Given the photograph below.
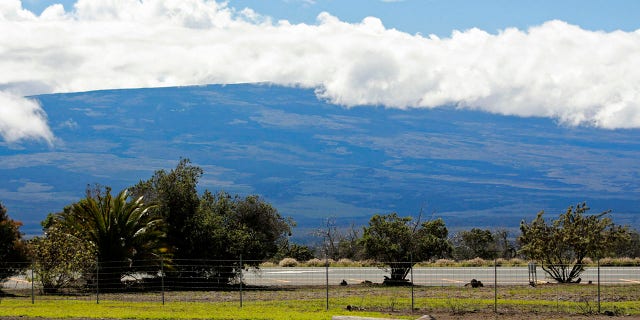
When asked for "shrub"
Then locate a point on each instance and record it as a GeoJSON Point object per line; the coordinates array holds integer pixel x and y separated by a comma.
{"type": "Point", "coordinates": [515, 262]}
{"type": "Point", "coordinates": [475, 262]}
{"type": "Point", "coordinates": [620, 262]}
{"type": "Point", "coordinates": [288, 262]}
{"type": "Point", "coordinates": [347, 263]}
{"type": "Point", "coordinates": [267, 264]}
{"type": "Point", "coordinates": [444, 263]}
{"type": "Point", "coordinates": [315, 262]}
{"type": "Point", "coordinates": [607, 262]}
{"type": "Point", "coordinates": [369, 263]}
{"type": "Point", "coordinates": [628, 262]}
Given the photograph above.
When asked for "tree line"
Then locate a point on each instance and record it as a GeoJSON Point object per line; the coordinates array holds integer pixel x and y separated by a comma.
{"type": "Point", "coordinates": [164, 220]}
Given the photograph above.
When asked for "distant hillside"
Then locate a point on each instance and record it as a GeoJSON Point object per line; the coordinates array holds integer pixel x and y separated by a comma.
{"type": "Point", "coordinates": [313, 160]}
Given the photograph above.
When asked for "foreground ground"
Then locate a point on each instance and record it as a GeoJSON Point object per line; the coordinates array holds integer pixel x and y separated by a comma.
{"type": "Point", "coordinates": [437, 316]}
{"type": "Point", "coordinates": [455, 302]}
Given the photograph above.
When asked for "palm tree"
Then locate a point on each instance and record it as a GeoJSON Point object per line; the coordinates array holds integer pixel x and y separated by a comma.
{"type": "Point", "coordinates": [124, 234]}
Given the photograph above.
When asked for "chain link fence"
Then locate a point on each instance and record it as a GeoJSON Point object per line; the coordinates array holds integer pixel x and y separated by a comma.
{"type": "Point", "coordinates": [457, 289]}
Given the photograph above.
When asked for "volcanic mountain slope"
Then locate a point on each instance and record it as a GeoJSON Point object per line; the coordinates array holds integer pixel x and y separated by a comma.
{"type": "Point", "coordinates": [314, 160]}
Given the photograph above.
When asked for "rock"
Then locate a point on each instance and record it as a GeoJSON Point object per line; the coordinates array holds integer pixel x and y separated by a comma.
{"type": "Point", "coordinates": [474, 284]}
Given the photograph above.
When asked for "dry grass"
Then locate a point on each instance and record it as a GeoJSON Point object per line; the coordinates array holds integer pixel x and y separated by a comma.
{"type": "Point", "coordinates": [476, 262]}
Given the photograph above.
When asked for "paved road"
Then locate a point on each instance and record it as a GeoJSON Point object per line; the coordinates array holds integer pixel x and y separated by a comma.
{"type": "Point", "coordinates": [429, 276]}
{"type": "Point", "coordinates": [421, 276]}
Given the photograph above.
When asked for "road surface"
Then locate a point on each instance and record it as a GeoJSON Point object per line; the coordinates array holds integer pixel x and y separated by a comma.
{"type": "Point", "coordinates": [435, 276]}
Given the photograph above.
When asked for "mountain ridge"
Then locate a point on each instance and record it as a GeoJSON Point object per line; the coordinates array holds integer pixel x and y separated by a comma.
{"type": "Point", "coordinates": [315, 160]}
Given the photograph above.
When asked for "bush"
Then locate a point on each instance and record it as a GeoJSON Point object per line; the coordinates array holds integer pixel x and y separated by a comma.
{"type": "Point", "coordinates": [268, 264]}
{"type": "Point", "coordinates": [628, 262]}
{"type": "Point", "coordinates": [444, 263]}
{"type": "Point", "coordinates": [475, 262]}
{"type": "Point", "coordinates": [368, 263]}
{"type": "Point", "coordinates": [516, 262]}
{"type": "Point", "coordinates": [315, 262]}
{"type": "Point", "coordinates": [288, 262]}
{"type": "Point", "coordinates": [620, 262]}
{"type": "Point", "coordinates": [607, 262]}
{"type": "Point", "coordinates": [344, 262]}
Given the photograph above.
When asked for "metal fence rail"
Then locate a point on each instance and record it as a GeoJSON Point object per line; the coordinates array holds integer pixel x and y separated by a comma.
{"type": "Point", "coordinates": [235, 281]}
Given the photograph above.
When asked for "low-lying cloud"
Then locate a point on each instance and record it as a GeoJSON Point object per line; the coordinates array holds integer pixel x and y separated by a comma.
{"type": "Point", "coordinates": [556, 70]}
{"type": "Point", "coordinates": [22, 118]}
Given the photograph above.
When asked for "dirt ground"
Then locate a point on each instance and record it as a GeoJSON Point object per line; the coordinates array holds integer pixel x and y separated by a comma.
{"type": "Point", "coordinates": [514, 316]}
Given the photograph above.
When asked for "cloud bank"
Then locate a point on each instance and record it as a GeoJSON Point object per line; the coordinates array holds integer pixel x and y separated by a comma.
{"type": "Point", "coordinates": [556, 70]}
{"type": "Point", "coordinates": [22, 118]}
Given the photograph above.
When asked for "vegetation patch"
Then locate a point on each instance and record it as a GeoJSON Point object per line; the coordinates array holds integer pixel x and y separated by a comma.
{"type": "Point", "coordinates": [272, 310]}
{"type": "Point", "coordinates": [310, 303]}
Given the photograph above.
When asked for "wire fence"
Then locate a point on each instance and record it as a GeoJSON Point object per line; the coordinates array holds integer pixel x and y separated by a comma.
{"type": "Point", "coordinates": [458, 289]}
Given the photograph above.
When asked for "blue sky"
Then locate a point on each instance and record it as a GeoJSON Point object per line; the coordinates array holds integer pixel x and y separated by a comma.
{"type": "Point", "coordinates": [440, 17]}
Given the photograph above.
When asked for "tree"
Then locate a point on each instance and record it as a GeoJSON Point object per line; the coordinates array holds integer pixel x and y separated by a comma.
{"type": "Point", "coordinates": [227, 226]}
{"type": "Point", "coordinates": [398, 243]}
{"type": "Point", "coordinates": [124, 233]}
{"type": "Point", "coordinates": [177, 202]}
{"type": "Point", "coordinates": [504, 245]}
{"type": "Point", "coordinates": [258, 228]}
{"type": "Point", "coordinates": [298, 252]}
{"type": "Point", "coordinates": [562, 245]}
{"type": "Point", "coordinates": [13, 253]}
{"type": "Point", "coordinates": [474, 243]}
{"type": "Point", "coordinates": [349, 245]}
{"type": "Point", "coordinates": [626, 247]}
{"type": "Point", "coordinates": [338, 243]}
{"type": "Point", "coordinates": [61, 259]}
{"type": "Point", "coordinates": [330, 238]}
{"type": "Point", "coordinates": [233, 226]}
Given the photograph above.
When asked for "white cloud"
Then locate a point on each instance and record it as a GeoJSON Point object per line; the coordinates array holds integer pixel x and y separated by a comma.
{"type": "Point", "coordinates": [555, 70]}
{"type": "Point", "coordinates": [34, 187]}
{"type": "Point", "coordinates": [22, 118]}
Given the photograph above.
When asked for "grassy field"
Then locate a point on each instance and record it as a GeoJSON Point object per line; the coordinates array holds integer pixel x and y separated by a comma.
{"type": "Point", "coordinates": [172, 310]}
{"type": "Point", "coordinates": [310, 303]}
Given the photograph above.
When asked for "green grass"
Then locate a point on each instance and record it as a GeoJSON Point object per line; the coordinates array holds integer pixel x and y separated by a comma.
{"type": "Point", "coordinates": [310, 303]}
{"type": "Point", "coordinates": [273, 310]}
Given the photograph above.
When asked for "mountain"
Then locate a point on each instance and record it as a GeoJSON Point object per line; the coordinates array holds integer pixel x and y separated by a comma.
{"type": "Point", "coordinates": [314, 160]}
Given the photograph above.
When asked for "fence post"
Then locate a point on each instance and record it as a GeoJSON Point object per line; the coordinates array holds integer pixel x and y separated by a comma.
{"type": "Point", "coordinates": [326, 264]}
{"type": "Point", "coordinates": [241, 268]}
{"type": "Point", "coordinates": [33, 280]}
{"type": "Point", "coordinates": [162, 277]}
{"type": "Point", "coordinates": [412, 293]}
{"type": "Point", "coordinates": [495, 285]}
{"type": "Point", "coordinates": [598, 285]}
{"type": "Point", "coordinates": [97, 280]}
